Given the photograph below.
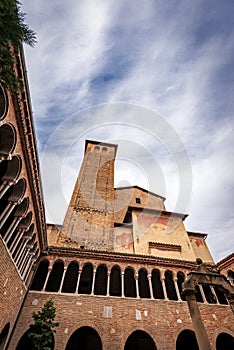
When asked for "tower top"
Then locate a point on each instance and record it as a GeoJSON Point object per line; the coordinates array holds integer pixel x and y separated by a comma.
{"type": "Point", "coordinates": [98, 145]}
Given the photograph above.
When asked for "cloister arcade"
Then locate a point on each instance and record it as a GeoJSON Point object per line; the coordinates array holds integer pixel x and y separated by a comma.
{"type": "Point", "coordinates": [16, 227]}
{"type": "Point", "coordinates": [85, 278]}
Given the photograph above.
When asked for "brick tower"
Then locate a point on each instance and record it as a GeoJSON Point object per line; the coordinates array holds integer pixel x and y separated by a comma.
{"type": "Point", "coordinates": [89, 220]}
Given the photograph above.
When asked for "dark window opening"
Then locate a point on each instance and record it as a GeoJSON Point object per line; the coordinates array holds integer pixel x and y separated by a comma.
{"type": "Point", "coordinates": [55, 277]}
{"type": "Point", "coordinates": [144, 290]}
{"type": "Point", "coordinates": [138, 200]}
{"type": "Point", "coordinates": [170, 286]}
{"type": "Point", "coordinates": [40, 275]}
{"type": "Point", "coordinates": [129, 283]}
{"type": "Point", "coordinates": [70, 279]}
{"type": "Point", "coordinates": [180, 281]}
{"type": "Point", "coordinates": [224, 341]}
{"type": "Point", "coordinates": [100, 286]}
{"type": "Point", "coordinates": [86, 279]}
{"type": "Point", "coordinates": [157, 285]}
{"type": "Point", "coordinates": [115, 281]}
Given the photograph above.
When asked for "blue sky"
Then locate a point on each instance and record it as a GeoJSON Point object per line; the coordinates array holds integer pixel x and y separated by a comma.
{"type": "Point", "coordinates": [156, 77]}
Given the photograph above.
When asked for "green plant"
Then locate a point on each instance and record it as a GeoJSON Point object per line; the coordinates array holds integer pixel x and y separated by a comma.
{"type": "Point", "coordinates": [42, 330]}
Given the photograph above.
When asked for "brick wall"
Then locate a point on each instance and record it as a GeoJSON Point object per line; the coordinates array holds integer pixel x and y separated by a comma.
{"type": "Point", "coordinates": [12, 289]}
{"type": "Point", "coordinates": [162, 320]}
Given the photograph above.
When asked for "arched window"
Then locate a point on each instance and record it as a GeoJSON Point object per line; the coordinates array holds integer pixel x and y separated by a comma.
{"type": "Point", "coordinates": [40, 275]}
{"type": "Point", "coordinates": [224, 341]}
{"type": "Point", "coordinates": [100, 286]}
{"type": "Point", "coordinates": [220, 295]}
{"type": "Point", "coordinates": [13, 169]}
{"type": "Point", "coordinates": [8, 139]}
{"type": "Point", "coordinates": [186, 340]}
{"type": "Point", "coordinates": [55, 277]}
{"type": "Point", "coordinates": [84, 338]}
{"type": "Point", "coordinates": [115, 281]}
{"type": "Point", "coordinates": [86, 279]}
{"type": "Point", "coordinates": [210, 297]}
{"type": "Point", "coordinates": [180, 281]}
{"type": "Point", "coordinates": [170, 286]}
{"type": "Point", "coordinates": [198, 295]}
{"type": "Point", "coordinates": [129, 283]}
{"type": "Point", "coordinates": [157, 284]}
{"type": "Point", "coordinates": [70, 279]}
{"type": "Point", "coordinates": [144, 290]}
{"type": "Point", "coordinates": [3, 335]}
{"type": "Point", "coordinates": [139, 340]}
{"type": "Point", "coordinates": [230, 277]}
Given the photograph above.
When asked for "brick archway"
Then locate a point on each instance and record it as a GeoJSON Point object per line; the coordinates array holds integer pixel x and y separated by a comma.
{"type": "Point", "coordinates": [84, 338]}
{"type": "Point", "coordinates": [139, 340]}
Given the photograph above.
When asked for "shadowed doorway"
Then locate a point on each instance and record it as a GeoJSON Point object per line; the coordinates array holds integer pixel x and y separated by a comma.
{"type": "Point", "coordinates": [140, 340]}
{"type": "Point", "coordinates": [84, 338]}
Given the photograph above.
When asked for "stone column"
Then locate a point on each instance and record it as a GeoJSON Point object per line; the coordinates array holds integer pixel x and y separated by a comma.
{"type": "Point", "coordinates": [198, 325]}
{"type": "Point", "coordinates": [108, 284]}
{"type": "Point", "coordinates": [214, 293]}
{"type": "Point", "coordinates": [63, 276]}
{"type": "Point", "coordinates": [6, 213]}
{"type": "Point", "coordinates": [78, 280]}
{"type": "Point", "coordinates": [150, 286]}
{"type": "Point", "coordinates": [11, 229]}
{"type": "Point", "coordinates": [164, 288]}
{"type": "Point", "coordinates": [137, 286]}
{"type": "Point", "coordinates": [122, 284]}
{"type": "Point", "coordinates": [93, 284]}
{"type": "Point", "coordinates": [202, 293]}
{"type": "Point", "coordinates": [47, 277]}
{"type": "Point", "coordinates": [177, 289]}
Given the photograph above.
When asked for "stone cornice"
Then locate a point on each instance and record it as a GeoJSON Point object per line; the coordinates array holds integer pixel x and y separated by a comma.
{"type": "Point", "coordinates": [23, 109]}
{"type": "Point", "coordinates": [118, 257]}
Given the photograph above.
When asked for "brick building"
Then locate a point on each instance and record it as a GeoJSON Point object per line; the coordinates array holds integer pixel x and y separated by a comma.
{"type": "Point", "coordinates": [114, 269]}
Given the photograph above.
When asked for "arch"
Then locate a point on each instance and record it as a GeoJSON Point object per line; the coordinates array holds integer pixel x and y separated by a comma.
{"type": "Point", "coordinates": [170, 286]}
{"type": "Point", "coordinates": [100, 286]}
{"type": "Point", "coordinates": [55, 277]}
{"type": "Point", "coordinates": [4, 103]}
{"type": "Point", "coordinates": [84, 338]}
{"type": "Point", "coordinates": [40, 275]}
{"type": "Point", "coordinates": [129, 283]}
{"type": "Point", "coordinates": [25, 222]}
{"type": "Point", "coordinates": [139, 340]}
{"type": "Point", "coordinates": [187, 340]}
{"type": "Point", "coordinates": [180, 281]}
{"type": "Point", "coordinates": [210, 297]}
{"type": "Point", "coordinates": [220, 295]}
{"type": "Point", "coordinates": [8, 139]}
{"type": "Point", "coordinates": [230, 276]}
{"type": "Point", "coordinates": [157, 284]}
{"type": "Point", "coordinates": [143, 282]}
{"type": "Point", "coordinates": [3, 335]}
{"type": "Point", "coordinates": [18, 191]}
{"type": "Point", "coordinates": [22, 208]}
{"type": "Point", "coordinates": [115, 281]}
{"type": "Point", "coordinates": [26, 343]}
{"type": "Point", "coordinates": [13, 169]}
{"type": "Point", "coordinates": [70, 279]}
{"type": "Point", "coordinates": [224, 341]}
{"type": "Point", "coordinates": [86, 279]}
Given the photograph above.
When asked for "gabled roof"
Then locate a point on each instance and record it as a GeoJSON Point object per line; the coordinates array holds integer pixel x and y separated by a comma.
{"type": "Point", "coordinates": [139, 188]}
